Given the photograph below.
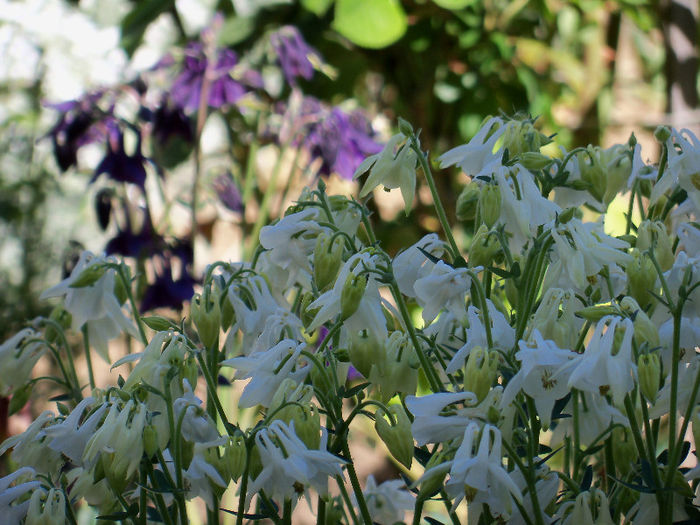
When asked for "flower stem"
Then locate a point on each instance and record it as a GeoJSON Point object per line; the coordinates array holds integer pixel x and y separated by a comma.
{"type": "Point", "coordinates": [364, 511]}
{"type": "Point", "coordinates": [88, 357]}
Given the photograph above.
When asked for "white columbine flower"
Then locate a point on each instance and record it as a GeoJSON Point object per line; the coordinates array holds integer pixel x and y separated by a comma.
{"type": "Point", "coordinates": [30, 448]}
{"type": "Point", "coordinates": [502, 334]}
{"type": "Point", "coordinates": [267, 370]}
{"type": "Point", "coordinates": [387, 502]}
{"type": "Point", "coordinates": [444, 287]}
{"type": "Point", "coordinates": [70, 436]}
{"type": "Point", "coordinates": [412, 264]}
{"type": "Point", "coordinates": [478, 156]}
{"type": "Point", "coordinates": [12, 512]}
{"type": "Point", "coordinates": [537, 377]}
{"type": "Point", "coordinates": [391, 169]}
{"type": "Point", "coordinates": [287, 463]}
{"type": "Point", "coordinates": [46, 507]}
{"type": "Point", "coordinates": [599, 370]}
{"type": "Point", "coordinates": [197, 426]}
{"type": "Point", "coordinates": [200, 476]}
{"type": "Point", "coordinates": [479, 471]}
{"type": "Point", "coordinates": [94, 305]}
{"type": "Point", "coordinates": [17, 359]}
{"type": "Point", "coordinates": [434, 422]}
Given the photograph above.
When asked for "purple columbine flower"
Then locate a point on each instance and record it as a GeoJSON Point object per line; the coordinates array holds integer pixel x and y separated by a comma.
{"type": "Point", "coordinates": [342, 141]}
{"type": "Point", "coordinates": [167, 291]}
{"type": "Point", "coordinates": [172, 132]}
{"type": "Point", "coordinates": [293, 54]}
{"type": "Point", "coordinates": [117, 164]}
{"type": "Point", "coordinates": [75, 128]}
{"type": "Point", "coordinates": [223, 89]}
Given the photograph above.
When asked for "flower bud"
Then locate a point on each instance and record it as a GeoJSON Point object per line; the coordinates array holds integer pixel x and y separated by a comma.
{"type": "Point", "coordinates": [150, 440]}
{"type": "Point", "coordinates": [206, 316]}
{"type": "Point", "coordinates": [662, 134]}
{"type": "Point", "coordinates": [328, 256]}
{"type": "Point", "coordinates": [351, 295]}
{"type": "Point", "coordinates": [432, 485]}
{"type": "Point", "coordinates": [307, 315]}
{"type": "Point", "coordinates": [624, 450]}
{"type": "Point", "coordinates": [396, 436]}
{"type": "Point", "coordinates": [480, 372]}
{"type": "Point", "coordinates": [592, 173]}
{"type": "Point", "coordinates": [467, 201]}
{"type": "Point", "coordinates": [534, 161]}
{"type": "Point", "coordinates": [649, 370]}
{"type": "Point", "coordinates": [646, 335]}
{"type": "Point", "coordinates": [234, 456]}
{"type": "Point", "coordinates": [307, 425]}
{"type": "Point", "coordinates": [364, 351]}
{"type": "Point", "coordinates": [396, 369]}
{"type": "Point", "coordinates": [653, 234]}
{"type": "Point", "coordinates": [521, 137]}
{"type": "Point", "coordinates": [62, 317]}
{"type": "Point", "coordinates": [641, 278]}
{"type": "Point", "coordinates": [484, 247]}
{"type": "Point", "coordinates": [490, 204]}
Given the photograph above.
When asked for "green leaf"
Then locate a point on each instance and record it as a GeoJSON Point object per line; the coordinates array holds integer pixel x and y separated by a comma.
{"type": "Point", "coordinates": [20, 398]}
{"type": "Point", "coordinates": [235, 30]}
{"type": "Point", "coordinates": [370, 23]}
{"type": "Point", "coordinates": [158, 323]}
{"type": "Point", "coordinates": [454, 4]}
{"type": "Point", "coordinates": [317, 7]}
{"type": "Point", "coordinates": [89, 276]}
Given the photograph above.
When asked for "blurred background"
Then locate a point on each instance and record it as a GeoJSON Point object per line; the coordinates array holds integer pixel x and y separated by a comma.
{"type": "Point", "coordinates": [170, 131]}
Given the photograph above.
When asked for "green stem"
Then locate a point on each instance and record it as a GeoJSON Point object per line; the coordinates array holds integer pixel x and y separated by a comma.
{"type": "Point", "coordinates": [132, 302]}
{"type": "Point", "coordinates": [361, 503]}
{"type": "Point", "coordinates": [440, 210]}
{"type": "Point", "coordinates": [244, 487]}
{"type": "Point", "coordinates": [211, 387]}
{"type": "Point", "coordinates": [346, 499]}
{"type": "Point", "coordinates": [418, 510]}
{"type": "Point", "coordinates": [88, 357]}
{"type": "Point", "coordinates": [143, 495]}
{"type": "Point", "coordinates": [529, 476]}
{"type": "Point", "coordinates": [321, 511]}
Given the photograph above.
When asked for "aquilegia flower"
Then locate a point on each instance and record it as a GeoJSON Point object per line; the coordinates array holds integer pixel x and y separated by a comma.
{"type": "Point", "coordinates": [295, 56]}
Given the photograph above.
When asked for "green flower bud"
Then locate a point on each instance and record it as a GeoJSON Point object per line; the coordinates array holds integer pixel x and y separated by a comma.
{"type": "Point", "coordinates": [649, 370]}
{"type": "Point", "coordinates": [334, 512]}
{"type": "Point", "coordinates": [328, 256]}
{"type": "Point", "coordinates": [89, 276]}
{"type": "Point", "coordinates": [307, 425]}
{"type": "Point", "coordinates": [351, 295]}
{"type": "Point", "coordinates": [641, 278]}
{"type": "Point", "coordinates": [206, 315]}
{"type": "Point", "coordinates": [522, 137]}
{"type": "Point", "coordinates": [405, 127]}
{"type": "Point", "coordinates": [592, 172]}
{"type": "Point", "coordinates": [695, 420]}
{"type": "Point", "coordinates": [662, 134]}
{"type": "Point", "coordinates": [653, 234]}
{"type": "Point", "coordinates": [396, 436]}
{"type": "Point", "coordinates": [480, 372]}
{"type": "Point", "coordinates": [624, 450]}
{"type": "Point", "coordinates": [307, 314]}
{"type": "Point", "coordinates": [467, 201]}
{"type": "Point", "coordinates": [433, 484]}
{"type": "Point", "coordinates": [234, 455]}
{"type": "Point", "coordinates": [646, 335]}
{"type": "Point", "coordinates": [484, 248]}
{"type": "Point", "coordinates": [490, 204]}
{"type": "Point", "coordinates": [534, 161]}
{"type": "Point", "coordinates": [364, 351]}
{"type": "Point", "coordinates": [396, 369]}
{"type": "Point", "coordinates": [150, 440]}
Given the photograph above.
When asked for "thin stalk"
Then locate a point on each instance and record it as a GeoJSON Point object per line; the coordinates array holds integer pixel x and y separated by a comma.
{"type": "Point", "coordinates": [244, 488]}
{"type": "Point", "coordinates": [346, 499]}
{"type": "Point", "coordinates": [88, 357]}
{"type": "Point", "coordinates": [355, 482]}
{"type": "Point", "coordinates": [132, 302]}
{"type": "Point", "coordinates": [439, 208]}
{"type": "Point", "coordinates": [211, 387]}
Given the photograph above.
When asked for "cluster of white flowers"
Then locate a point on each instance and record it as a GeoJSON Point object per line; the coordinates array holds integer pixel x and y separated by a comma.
{"type": "Point", "coordinates": [556, 358]}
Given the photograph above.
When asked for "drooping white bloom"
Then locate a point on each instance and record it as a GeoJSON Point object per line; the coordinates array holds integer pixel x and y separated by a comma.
{"type": "Point", "coordinates": [480, 469]}
{"type": "Point", "coordinates": [590, 508]}
{"type": "Point", "coordinates": [581, 250]}
{"type": "Point", "coordinates": [444, 287]}
{"type": "Point", "coordinates": [290, 243]}
{"type": "Point", "coordinates": [197, 426]}
{"type": "Point", "coordinates": [599, 370]}
{"type": "Point", "coordinates": [13, 512]}
{"type": "Point", "coordinates": [392, 169]}
{"type": "Point", "coordinates": [70, 436]}
{"type": "Point", "coordinates": [286, 462]}
{"type": "Point", "coordinates": [412, 264]}
{"type": "Point", "coordinates": [595, 416]}
{"type": "Point", "coordinates": [546, 486]}
{"type": "Point", "coordinates": [478, 156]}
{"type": "Point", "coordinates": [502, 334]}
{"type": "Point", "coordinates": [96, 304]}
{"type": "Point", "coordinates": [17, 359]}
{"type": "Point", "coordinates": [119, 440]}
{"type": "Point", "coordinates": [434, 422]}
{"type": "Point", "coordinates": [537, 377]}
{"type": "Point", "coordinates": [267, 370]}
{"type": "Point", "coordinates": [30, 448]}
{"type": "Point", "coordinates": [523, 208]}
{"type": "Point", "coordinates": [369, 315]}
{"type": "Point", "coordinates": [46, 507]}
{"type": "Point", "coordinates": [686, 375]}
{"type": "Point", "coordinates": [387, 502]}
{"type": "Point", "coordinates": [200, 476]}
{"type": "Point", "coordinates": [681, 168]}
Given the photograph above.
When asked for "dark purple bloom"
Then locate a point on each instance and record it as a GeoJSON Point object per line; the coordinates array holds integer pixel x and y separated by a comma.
{"type": "Point", "coordinates": [342, 141]}
{"type": "Point", "coordinates": [129, 243]}
{"type": "Point", "coordinates": [75, 128]}
{"type": "Point", "coordinates": [120, 166]}
{"type": "Point", "coordinates": [223, 89]}
{"type": "Point", "coordinates": [228, 193]}
{"type": "Point", "coordinates": [173, 136]}
{"type": "Point", "coordinates": [167, 292]}
{"type": "Point", "coordinates": [294, 54]}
